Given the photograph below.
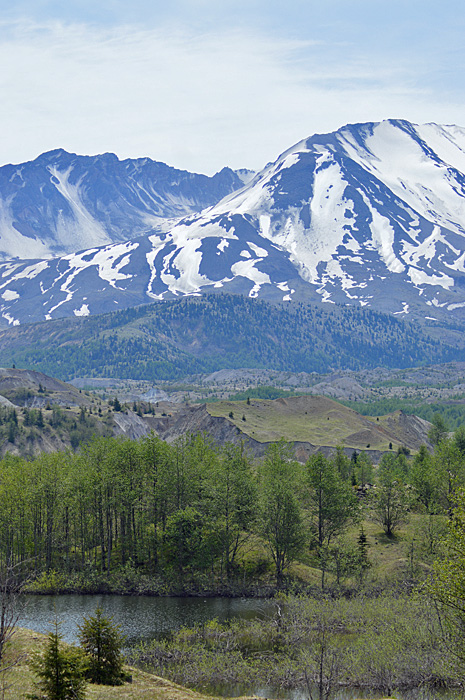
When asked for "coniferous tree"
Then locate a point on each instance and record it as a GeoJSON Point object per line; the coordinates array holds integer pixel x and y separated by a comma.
{"type": "Point", "coordinates": [101, 640]}
{"type": "Point", "coordinates": [60, 669]}
{"type": "Point", "coordinates": [40, 419]}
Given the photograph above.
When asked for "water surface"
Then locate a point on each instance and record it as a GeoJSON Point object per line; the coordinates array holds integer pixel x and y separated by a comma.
{"type": "Point", "coordinates": [142, 618]}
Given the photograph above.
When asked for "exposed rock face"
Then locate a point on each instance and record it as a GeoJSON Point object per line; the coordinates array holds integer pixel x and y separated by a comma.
{"type": "Point", "coordinates": [34, 389]}
{"type": "Point", "coordinates": [410, 431]}
{"type": "Point", "coordinates": [294, 418]}
{"type": "Point", "coordinates": [371, 215]}
{"type": "Point", "coordinates": [61, 202]}
{"type": "Point", "coordinates": [130, 425]}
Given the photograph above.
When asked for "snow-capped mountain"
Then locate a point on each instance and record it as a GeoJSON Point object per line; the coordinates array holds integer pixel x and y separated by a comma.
{"type": "Point", "coordinates": [61, 202]}
{"type": "Point", "coordinates": [372, 214]}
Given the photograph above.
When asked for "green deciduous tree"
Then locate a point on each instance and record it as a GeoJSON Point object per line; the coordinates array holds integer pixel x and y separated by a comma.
{"type": "Point", "coordinates": [447, 585]}
{"type": "Point", "coordinates": [281, 516]}
{"type": "Point", "coordinates": [234, 502]}
{"type": "Point", "coordinates": [459, 439]}
{"type": "Point", "coordinates": [424, 477]}
{"type": "Point", "coordinates": [438, 430]}
{"type": "Point", "coordinates": [332, 504]}
{"type": "Point", "coordinates": [391, 500]}
{"type": "Point", "coordinates": [183, 538]}
{"type": "Point", "coordinates": [449, 467]}
{"type": "Point", "coordinates": [363, 470]}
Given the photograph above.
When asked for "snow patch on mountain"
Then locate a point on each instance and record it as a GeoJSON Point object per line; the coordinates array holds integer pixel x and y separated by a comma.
{"type": "Point", "coordinates": [420, 277]}
{"type": "Point", "coordinates": [317, 244]}
{"type": "Point", "coordinates": [373, 215]}
{"type": "Point", "coordinates": [83, 311]}
{"type": "Point", "coordinates": [181, 271]}
{"type": "Point", "coordinates": [222, 245]}
{"type": "Point", "coordinates": [413, 171]}
{"type": "Point", "coordinates": [261, 252]}
{"type": "Point", "coordinates": [247, 269]}
{"type": "Point", "coordinates": [11, 320]}
{"type": "Point", "coordinates": [86, 231]}
{"type": "Point", "coordinates": [383, 239]}
{"type": "Point", "coordinates": [13, 243]}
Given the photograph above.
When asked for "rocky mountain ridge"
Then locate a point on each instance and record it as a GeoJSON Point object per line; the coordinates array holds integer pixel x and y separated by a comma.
{"type": "Point", "coordinates": [41, 414]}
{"type": "Point", "coordinates": [61, 203]}
{"type": "Point", "coordinates": [372, 215]}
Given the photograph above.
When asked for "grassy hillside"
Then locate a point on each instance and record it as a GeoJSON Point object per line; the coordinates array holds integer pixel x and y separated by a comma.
{"type": "Point", "coordinates": [320, 421]}
{"type": "Point", "coordinates": [41, 414]}
{"type": "Point", "coordinates": [143, 686]}
{"type": "Point", "coordinates": [173, 339]}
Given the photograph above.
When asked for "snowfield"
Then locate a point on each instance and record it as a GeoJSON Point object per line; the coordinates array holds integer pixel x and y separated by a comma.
{"type": "Point", "coordinates": [372, 214]}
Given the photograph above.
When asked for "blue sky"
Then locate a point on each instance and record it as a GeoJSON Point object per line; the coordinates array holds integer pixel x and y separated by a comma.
{"type": "Point", "coordinates": [201, 84]}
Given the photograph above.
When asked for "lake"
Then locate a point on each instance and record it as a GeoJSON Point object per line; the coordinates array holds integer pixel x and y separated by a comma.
{"type": "Point", "coordinates": [143, 618]}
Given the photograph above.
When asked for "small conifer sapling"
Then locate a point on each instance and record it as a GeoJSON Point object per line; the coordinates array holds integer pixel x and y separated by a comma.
{"type": "Point", "coordinates": [101, 640]}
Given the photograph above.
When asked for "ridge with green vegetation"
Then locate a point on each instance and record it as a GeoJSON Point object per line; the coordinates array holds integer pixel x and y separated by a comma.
{"type": "Point", "coordinates": [41, 414]}
{"type": "Point", "coordinates": [321, 421]}
{"type": "Point", "coordinates": [173, 339]}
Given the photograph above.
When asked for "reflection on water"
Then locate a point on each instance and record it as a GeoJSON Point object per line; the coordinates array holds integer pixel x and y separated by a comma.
{"type": "Point", "coordinates": [146, 618]}
{"type": "Point", "coordinates": [142, 618]}
{"type": "Point", "coordinates": [234, 691]}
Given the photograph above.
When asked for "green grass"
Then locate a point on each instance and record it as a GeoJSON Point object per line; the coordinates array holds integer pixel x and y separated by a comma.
{"type": "Point", "coordinates": [144, 686]}
{"type": "Point", "coordinates": [314, 419]}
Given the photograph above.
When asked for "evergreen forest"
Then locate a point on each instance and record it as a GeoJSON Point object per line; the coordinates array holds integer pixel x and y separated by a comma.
{"type": "Point", "coordinates": [173, 339]}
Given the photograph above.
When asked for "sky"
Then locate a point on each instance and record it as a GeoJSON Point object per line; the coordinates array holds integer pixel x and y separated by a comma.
{"type": "Point", "coordinates": [203, 84]}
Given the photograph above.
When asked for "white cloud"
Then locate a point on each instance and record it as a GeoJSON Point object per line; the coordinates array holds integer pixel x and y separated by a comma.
{"type": "Point", "coordinates": [196, 101]}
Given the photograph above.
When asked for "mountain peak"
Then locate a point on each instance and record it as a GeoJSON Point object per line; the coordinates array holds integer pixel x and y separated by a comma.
{"type": "Point", "coordinates": [371, 215]}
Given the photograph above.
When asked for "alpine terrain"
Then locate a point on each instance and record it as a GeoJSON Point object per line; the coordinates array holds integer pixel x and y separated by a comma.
{"type": "Point", "coordinates": [371, 215]}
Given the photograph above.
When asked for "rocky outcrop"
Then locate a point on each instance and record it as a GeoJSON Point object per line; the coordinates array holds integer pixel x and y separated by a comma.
{"type": "Point", "coordinates": [196, 419]}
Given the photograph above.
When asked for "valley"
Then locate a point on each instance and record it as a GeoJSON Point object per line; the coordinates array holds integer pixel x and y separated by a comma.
{"type": "Point", "coordinates": [245, 385]}
{"type": "Point", "coordinates": [41, 414]}
{"type": "Point", "coordinates": [232, 350]}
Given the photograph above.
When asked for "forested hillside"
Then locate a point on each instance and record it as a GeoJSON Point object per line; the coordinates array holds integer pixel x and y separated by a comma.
{"type": "Point", "coordinates": [172, 339]}
{"type": "Point", "coordinates": [148, 516]}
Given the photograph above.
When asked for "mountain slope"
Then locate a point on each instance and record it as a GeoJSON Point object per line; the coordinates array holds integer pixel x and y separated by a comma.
{"type": "Point", "coordinates": [41, 414]}
{"type": "Point", "coordinates": [320, 421]}
{"type": "Point", "coordinates": [372, 215]}
{"type": "Point", "coordinates": [61, 203]}
{"type": "Point", "coordinates": [169, 340]}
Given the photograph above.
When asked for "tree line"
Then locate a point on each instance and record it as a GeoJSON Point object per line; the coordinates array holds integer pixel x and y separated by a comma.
{"type": "Point", "coordinates": [192, 508]}
{"type": "Point", "coordinates": [156, 341]}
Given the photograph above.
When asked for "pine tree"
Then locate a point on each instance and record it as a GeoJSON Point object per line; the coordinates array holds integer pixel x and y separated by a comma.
{"type": "Point", "coordinates": [101, 641]}
{"type": "Point", "coordinates": [60, 669]}
{"type": "Point", "coordinates": [40, 419]}
{"type": "Point", "coordinates": [362, 545]}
